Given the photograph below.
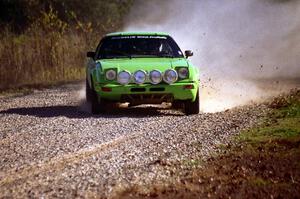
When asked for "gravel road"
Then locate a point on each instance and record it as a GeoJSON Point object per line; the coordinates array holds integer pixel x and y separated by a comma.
{"type": "Point", "coordinates": [50, 147]}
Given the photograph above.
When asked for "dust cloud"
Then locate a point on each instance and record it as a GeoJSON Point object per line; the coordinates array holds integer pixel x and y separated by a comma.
{"type": "Point", "coordinates": [83, 104]}
{"type": "Point", "coordinates": [246, 50]}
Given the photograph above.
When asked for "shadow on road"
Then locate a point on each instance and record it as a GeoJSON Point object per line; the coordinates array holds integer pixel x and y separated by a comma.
{"type": "Point", "coordinates": [76, 112]}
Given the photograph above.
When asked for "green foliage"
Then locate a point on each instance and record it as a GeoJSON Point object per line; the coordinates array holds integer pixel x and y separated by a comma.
{"type": "Point", "coordinates": [44, 41]}
{"type": "Point", "coordinates": [293, 110]}
{"type": "Point", "coordinates": [105, 15]}
{"type": "Point", "coordinates": [282, 124]}
{"type": "Point", "coordinates": [258, 181]}
{"type": "Point", "coordinates": [284, 129]}
{"type": "Point", "coordinates": [100, 14]}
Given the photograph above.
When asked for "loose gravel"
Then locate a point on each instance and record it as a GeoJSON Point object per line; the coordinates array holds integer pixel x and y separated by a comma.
{"type": "Point", "coordinates": [51, 147]}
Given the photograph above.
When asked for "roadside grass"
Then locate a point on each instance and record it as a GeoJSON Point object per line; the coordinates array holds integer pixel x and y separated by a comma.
{"type": "Point", "coordinates": [16, 92]}
{"type": "Point", "coordinates": [264, 162]}
{"type": "Point", "coordinates": [281, 126]}
{"type": "Point", "coordinates": [282, 129]}
{"type": "Point", "coordinates": [283, 123]}
{"type": "Point", "coordinates": [40, 58]}
{"type": "Point", "coordinates": [48, 52]}
{"type": "Point", "coordinates": [260, 182]}
{"type": "Point", "coordinates": [44, 42]}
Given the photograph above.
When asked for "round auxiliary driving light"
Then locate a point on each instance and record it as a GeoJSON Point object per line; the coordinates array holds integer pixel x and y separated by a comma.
{"type": "Point", "coordinates": [110, 74]}
{"type": "Point", "coordinates": [155, 77]}
{"type": "Point", "coordinates": [139, 77]}
{"type": "Point", "coordinates": [124, 77]}
{"type": "Point", "coordinates": [183, 73]}
{"type": "Point", "coordinates": [170, 76]}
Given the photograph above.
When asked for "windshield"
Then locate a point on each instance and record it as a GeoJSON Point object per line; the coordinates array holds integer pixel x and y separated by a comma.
{"type": "Point", "coordinates": [138, 46]}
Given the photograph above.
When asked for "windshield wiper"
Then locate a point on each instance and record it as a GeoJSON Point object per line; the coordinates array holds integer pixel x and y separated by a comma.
{"type": "Point", "coordinates": [119, 52]}
{"type": "Point", "coordinates": [165, 55]}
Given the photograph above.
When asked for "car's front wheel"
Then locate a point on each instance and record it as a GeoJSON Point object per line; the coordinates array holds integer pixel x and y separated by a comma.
{"type": "Point", "coordinates": [192, 107]}
{"type": "Point", "coordinates": [92, 99]}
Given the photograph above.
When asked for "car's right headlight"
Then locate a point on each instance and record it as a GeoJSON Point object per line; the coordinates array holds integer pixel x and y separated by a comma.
{"type": "Point", "coordinates": [170, 76]}
{"type": "Point", "coordinates": [110, 74]}
{"type": "Point", "coordinates": [124, 77]}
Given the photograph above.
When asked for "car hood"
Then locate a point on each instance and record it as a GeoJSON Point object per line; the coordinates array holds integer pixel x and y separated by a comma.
{"type": "Point", "coordinates": [146, 64]}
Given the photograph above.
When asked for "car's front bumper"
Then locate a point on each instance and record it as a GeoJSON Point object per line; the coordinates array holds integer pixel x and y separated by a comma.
{"type": "Point", "coordinates": [145, 92]}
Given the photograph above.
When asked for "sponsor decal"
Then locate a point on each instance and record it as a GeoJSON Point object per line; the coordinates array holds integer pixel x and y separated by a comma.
{"type": "Point", "coordinates": [140, 37]}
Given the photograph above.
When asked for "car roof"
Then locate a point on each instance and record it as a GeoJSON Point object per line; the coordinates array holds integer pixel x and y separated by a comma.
{"type": "Point", "coordinates": [136, 33]}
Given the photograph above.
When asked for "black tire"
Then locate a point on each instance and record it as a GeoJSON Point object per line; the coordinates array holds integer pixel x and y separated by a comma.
{"type": "Point", "coordinates": [92, 99]}
{"type": "Point", "coordinates": [178, 104]}
{"type": "Point", "coordinates": [191, 108]}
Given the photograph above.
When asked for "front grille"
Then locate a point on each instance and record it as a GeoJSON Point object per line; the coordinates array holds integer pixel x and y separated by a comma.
{"type": "Point", "coordinates": [156, 98]}
{"type": "Point", "coordinates": [138, 89]}
{"type": "Point", "coordinates": [157, 89]}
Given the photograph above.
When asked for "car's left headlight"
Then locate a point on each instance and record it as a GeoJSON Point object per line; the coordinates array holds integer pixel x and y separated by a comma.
{"type": "Point", "coordinates": [183, 72]}
{"type": "Point", "coordinates": [140, 76]}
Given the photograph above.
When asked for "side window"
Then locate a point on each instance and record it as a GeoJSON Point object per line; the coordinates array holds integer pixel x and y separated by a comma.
{"type": "Point", "coordinates": [174, 47]}
{"type": "Point", "coordinates": [98, 49]}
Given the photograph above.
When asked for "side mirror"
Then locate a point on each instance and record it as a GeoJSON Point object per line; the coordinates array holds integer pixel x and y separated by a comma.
{"type": "Point", "coordinates": [91, 54]}
{"type": "Point", "coordinates": [188, 53]}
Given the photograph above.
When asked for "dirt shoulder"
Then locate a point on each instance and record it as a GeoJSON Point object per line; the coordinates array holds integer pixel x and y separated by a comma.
{"type": "Point", "coordinates": [264, 163]}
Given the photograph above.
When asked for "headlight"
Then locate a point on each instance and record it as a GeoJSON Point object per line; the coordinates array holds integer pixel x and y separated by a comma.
{"type": "Point", "coordinates": [111, 74]}
{"type": "Point", "coordinates": [183, 72]}
{"type": "Point", "coordinates": [124, 77]}
{"type": "Point", "coordinates": [155, 77]}
{"type": "Point", "coordinates": [139, 77]}
{"type": "Point", "coordinates": [170, 76]}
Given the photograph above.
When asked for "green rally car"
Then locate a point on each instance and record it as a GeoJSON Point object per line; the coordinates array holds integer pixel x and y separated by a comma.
{"type": "Point", "coordinates": [141, 68]}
